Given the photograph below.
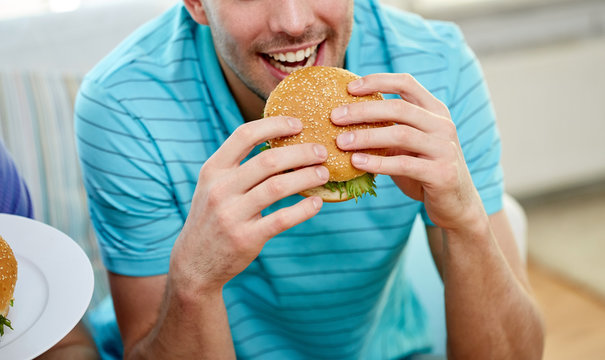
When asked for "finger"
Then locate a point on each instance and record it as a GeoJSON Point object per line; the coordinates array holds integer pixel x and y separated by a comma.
{"type": "Point", "coordinates": [404, 85]}
{"type": "Point", "coordinates": [274, 161]}
{"type": "Point", "coordinates": [399, 137]}
{"type": "Point", "coordinates": [402, 165]}
{"type": "Point", "coordinates": [394, 110]}
{"type": "Point", "coordinates": [247, 136]}
{"type": "Point", "coordinates": [280, 186]}
{"type": "Point", "coordinates": [271, 225]}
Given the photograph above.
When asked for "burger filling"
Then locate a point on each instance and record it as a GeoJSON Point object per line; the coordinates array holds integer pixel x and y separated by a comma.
{"type": "Point", "coordinates": [4, 321]}
{"type": "Point", "coordinates": [291, 61]}
{"type": "Point", "coordinates": [354, 188]}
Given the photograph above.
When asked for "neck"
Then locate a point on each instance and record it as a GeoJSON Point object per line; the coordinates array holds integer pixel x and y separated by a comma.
{"type": "Point", "coordinates": [250, 105]}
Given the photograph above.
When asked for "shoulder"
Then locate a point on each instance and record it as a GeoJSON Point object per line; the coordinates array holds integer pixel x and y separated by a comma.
{"type": "Point", "coordinates": [408, 28]}
{"type": "Point", "coordinates": [423, 30]}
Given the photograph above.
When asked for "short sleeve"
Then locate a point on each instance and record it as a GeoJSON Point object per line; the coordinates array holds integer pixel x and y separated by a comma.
{"type": "Point", "coordinates": [472, 111]}
{"type": "Point", "coordinates": [130, 195]}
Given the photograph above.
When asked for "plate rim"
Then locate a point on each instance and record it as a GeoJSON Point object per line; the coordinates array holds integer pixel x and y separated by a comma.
{"type": "Point", "coordinates": [81, 273]}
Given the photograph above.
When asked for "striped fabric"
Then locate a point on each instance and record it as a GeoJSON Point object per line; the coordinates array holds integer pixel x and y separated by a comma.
{"type": "Point", "coordinates": [150, 114]}
{"type": "Point", "coordinates": [36, 112]}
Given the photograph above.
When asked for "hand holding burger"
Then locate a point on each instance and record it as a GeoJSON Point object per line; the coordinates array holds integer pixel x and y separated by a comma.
{"type": "Point", "coordinates": [424, 157]}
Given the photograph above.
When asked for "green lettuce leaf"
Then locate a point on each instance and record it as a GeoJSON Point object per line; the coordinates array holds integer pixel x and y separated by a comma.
{"type": "Point", "coordinates": [4, 321]}
{"type": "Point", "coordinates": [355, 188]}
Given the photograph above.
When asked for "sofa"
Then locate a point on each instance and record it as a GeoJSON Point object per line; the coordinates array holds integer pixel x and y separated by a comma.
{"type": "Point", "coordinates": [36, 123]}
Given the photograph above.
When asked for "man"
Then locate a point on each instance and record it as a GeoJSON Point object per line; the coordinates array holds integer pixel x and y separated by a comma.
{"type": "Point", "coordinates": [15, 199]}
{"type": "Point", "coordinates": [211, 255]}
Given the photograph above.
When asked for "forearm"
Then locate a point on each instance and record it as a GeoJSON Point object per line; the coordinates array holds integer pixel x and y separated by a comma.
{"type": "Point", "coordinates": [490, 314]}
{"type": "Point", "coordinates": [190, 325]}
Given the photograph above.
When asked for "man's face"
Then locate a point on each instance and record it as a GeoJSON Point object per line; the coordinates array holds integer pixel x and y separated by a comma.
{"type": "Point", "coordinates": [262, 41]}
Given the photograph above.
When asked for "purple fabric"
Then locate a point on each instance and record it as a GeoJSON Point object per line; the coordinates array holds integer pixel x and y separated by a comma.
{"type": "Point", "coordinates": [14, 196]}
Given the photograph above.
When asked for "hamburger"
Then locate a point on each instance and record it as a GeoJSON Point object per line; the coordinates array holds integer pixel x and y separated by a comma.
{"type": "Point", "coordinates": [310, 94]}
{"type": "Point", "coordinates": [8, 279]}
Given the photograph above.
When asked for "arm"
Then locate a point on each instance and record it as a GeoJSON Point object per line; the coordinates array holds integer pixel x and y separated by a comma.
{"type": "Point", "coordinates": [157, 322]}
{"type": "Point", "coordinates": [77, 344]}
{"type": "Point", "coordinates": [489, 310]}
{"type": "Point", "coordinates": [482, 270]}
{"type": "Point", "coordinates": [182, 314]}
{"type": "Point", "coordinates": [144, 305]}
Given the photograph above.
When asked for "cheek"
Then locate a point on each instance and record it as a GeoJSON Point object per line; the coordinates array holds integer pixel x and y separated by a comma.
{"type": "Point", "coordinates": [231, 43]}
{"type": "Point", "coordinates": [337, 13]}
{"type": "Point", "coordinates": [240, 26]}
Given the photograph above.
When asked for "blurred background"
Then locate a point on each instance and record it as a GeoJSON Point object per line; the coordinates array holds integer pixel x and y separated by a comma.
{"type": "Point", "coordinates": [544, 61]}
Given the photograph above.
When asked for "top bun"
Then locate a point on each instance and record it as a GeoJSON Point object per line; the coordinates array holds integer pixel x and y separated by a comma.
{"type": "Point", "coordinates": [310, 94]}
{"type": "Point", "coordinates": [8, 276]}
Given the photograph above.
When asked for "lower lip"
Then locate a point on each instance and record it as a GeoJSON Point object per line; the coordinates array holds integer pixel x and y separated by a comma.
{"type": "Point", "coordinates": [280, 75]}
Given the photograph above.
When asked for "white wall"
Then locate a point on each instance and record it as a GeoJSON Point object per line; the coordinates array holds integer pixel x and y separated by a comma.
{"type": "Point", "coordinates": [545, 66]}
{"type": "Point", "coordinates": [72, 41]}
{"type": "Point", "coordinates": [550, 103]}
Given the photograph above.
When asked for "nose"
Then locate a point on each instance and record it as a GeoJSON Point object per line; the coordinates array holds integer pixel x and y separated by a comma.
{"type": "Point", "coordinates": [292, 17]}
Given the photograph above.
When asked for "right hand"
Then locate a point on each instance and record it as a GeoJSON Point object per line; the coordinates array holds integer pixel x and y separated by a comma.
{"type": "Point", "coordinates": [225, 231]}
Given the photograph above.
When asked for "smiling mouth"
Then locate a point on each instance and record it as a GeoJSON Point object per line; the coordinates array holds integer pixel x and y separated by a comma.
{"type": "Point", "coordinates": [290, 61]}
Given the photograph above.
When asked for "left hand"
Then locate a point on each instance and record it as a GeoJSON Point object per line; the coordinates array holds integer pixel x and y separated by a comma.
{"type": "Point", "coordinates": [424, 158]}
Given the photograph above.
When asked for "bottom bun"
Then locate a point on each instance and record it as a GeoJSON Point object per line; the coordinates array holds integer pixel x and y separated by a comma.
{"type": "Point", "coordinates": [326, 195]}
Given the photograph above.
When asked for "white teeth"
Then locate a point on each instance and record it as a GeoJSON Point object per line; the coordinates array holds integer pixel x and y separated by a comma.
{"type": "Point", "coordinates": [300, 55]}
{"type": "Point", "coordinates": [289, 69]}
{"type": "Point", "coordinates": [278, 59]}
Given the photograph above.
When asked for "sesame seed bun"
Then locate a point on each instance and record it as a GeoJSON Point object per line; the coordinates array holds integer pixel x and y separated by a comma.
{"type": "Point", "coordinates": [8, 276]}
{"type": "Point", "coordinates": [310, 94]}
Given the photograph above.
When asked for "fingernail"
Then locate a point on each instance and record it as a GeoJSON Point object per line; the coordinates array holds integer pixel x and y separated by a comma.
{"type": "Point", "coordinates": [320, 151]}
{"type": "Point", "coordinates": [355, 84]}
{"type": "Point", "coordinates": [317, 202]}
{"type": "Point", "coordinates": [322, 172]}
{"type": "Point", "coordinates": [339, 112]}
{"type": "Point", "coordinates": [359, 159]}
{"type": "Point", "coordinates": [345, 139]}
{"type": "Point", "coordinates": [295, 123]}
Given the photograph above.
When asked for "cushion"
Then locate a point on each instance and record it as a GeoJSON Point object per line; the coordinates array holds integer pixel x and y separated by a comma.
{"type": "Point", "coordinates": [36, 123]}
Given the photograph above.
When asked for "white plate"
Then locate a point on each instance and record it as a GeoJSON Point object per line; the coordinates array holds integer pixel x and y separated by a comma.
{"type": "Point", "coordinates": [54, 287]}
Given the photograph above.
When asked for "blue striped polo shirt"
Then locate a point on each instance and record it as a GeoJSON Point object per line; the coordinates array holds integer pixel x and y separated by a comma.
{"type": "Point", "coordinates": [150, 114]}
